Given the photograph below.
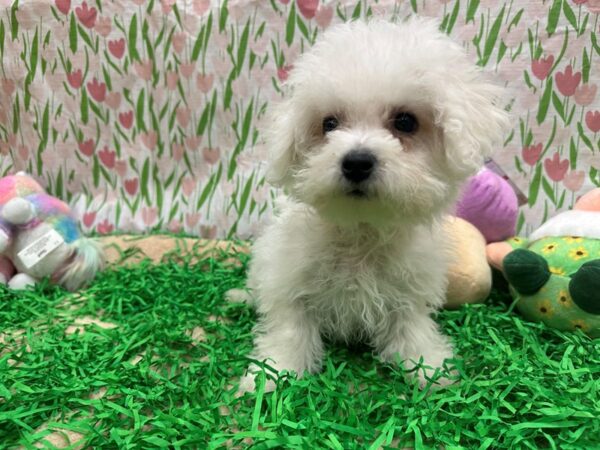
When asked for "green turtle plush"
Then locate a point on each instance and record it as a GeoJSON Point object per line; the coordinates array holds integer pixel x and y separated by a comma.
{"type": "Point", "coordinates": [554, 274]}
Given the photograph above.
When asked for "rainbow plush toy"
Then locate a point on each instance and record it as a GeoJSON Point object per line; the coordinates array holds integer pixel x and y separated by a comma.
{"type": "Point", "coordinates": [39, 237]}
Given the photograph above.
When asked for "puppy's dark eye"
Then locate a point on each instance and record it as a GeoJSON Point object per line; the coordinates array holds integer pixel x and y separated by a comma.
{"type": "Point", "coordinates": [330, 123]}
{"type": "Point", "coordinates": [405, 123]}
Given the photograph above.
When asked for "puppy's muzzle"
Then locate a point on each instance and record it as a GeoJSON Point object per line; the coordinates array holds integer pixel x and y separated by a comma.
{"type": "Point", "coordinates": [358, 165]}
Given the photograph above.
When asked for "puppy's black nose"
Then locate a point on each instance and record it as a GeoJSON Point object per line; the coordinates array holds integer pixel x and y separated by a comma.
{"type": "Point", "coordinates": [358, 165]}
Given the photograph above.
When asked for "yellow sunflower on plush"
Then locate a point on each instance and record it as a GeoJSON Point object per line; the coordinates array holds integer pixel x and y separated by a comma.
{"type": "Point", "coordinates": [578, 253]}
{"type": "Point", "coordinates": [554, 275]}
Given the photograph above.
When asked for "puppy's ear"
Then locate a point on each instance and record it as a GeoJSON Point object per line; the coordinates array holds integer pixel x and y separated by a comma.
{"type": "Point", "coordinates": [472, 124]}
{"type": "Point", "coordinates": [281, 143]}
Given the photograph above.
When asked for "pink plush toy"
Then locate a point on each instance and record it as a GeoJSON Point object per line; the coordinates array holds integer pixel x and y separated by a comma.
{"type": "Point", "coordinates": [40, 238]}
{"type": "Point", "coordinates": [489, 203]}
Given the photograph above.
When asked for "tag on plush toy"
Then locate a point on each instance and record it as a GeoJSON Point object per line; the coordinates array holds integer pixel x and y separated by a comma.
{"type": "Point", "coordinates": [38, 249]}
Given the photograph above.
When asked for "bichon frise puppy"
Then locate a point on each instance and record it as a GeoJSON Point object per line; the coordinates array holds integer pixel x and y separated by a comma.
{"type": "Point", "coordinates": [381, 125]}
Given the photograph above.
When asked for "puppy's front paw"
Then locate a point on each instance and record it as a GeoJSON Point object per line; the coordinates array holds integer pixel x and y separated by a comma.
{"type": "Point", "coordinates": [252, 379]}
{"type": "Point", "coordinates": [425, 371]}
{"type": "Point", "coordinates": [248, 384]}
{"type": "Point", "coordinates": [427, 376]}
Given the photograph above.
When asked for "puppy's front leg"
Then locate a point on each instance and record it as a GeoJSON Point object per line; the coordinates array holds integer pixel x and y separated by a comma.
{"type": "Point", "coordinates": [414, 336]}
{"type": "Point", "coordinates": [288, 339]}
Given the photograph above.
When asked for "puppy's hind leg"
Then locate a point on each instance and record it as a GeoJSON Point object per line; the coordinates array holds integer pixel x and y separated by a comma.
{"type": "Point", "coordinates": [286, 339]}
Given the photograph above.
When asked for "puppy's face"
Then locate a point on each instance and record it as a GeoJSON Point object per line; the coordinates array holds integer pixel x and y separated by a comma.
{"type": "Point", "coordinates": [383, 123]}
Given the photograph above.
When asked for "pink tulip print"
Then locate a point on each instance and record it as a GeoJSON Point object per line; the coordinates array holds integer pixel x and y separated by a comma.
{"type": "Point", "coordinates": [205, 82]}
{"type": "Point", "coordinates": [531, 154]}
{"type": "Point", "coordinates": [86, 15]}
{"type": "Point", "coordinates": [585, 94]}
{"type": "Point", "coordinates": [191, 220]}
{"type": "Point", "coordinates": [113, 100]}
{"type": "Point", "coordinates": [107, 157]}
{"type": "Point", "coordinates": [117, 47]}
{"type": "Point", "coordinates": [178, 151]}
{"type": "Point", "coordinates": [541, 67]}
{"type": "Point", "coordinates": [149, 216]}
{"type": "Point", "coordinates": [97, 90]}
{"type": "Point", "coordinates": [149, 139]}
{"type": "Point", "coordinates": [121, 167]}
{"type": "Point", "coordinates": [200, 7]}
{"type": "Point", "coordinates": [167, 6]}
{"type": "Point", "coordinates": [178, 42]}
{"type": "Point", "coordinates": [103, 26]}
{"type": "Point", "coordinates": [23, 152]}
{"type": "Point", "coordinates": [187, 69]}
{"type": "Point", "coordinates": [188, 186]}
{"type": "Point", "coordinates": [211, 155]}
{"type": "Point", "coordinates": [105, 227]}
{"type": "Point", "coordinates": [75, 79]}
{"type": "Point", "coordinates": [131, 186]}
{"type": "Point", "coordinates": [308, 8]}
{"type": "Point", "coordinates": [175, 226]}
{"type": "Point", "coordinates": [567, 81]}
{"type": "Point", "coordinates": [8, 86]}
{"type": "Point", "coordinates": [144, 69]}
{"type": "Point", "coordinates": [592, 120]}
{"type": "Point", "coordinates": [573, 181]}
{"type": "Point", "coordinates": [556, 168]}
{"type": "Point", "coordinates": [593, 6]}
{"type": "Point", "coordinates": [126, 119]}
{"type": "Point", "coordinates": [88, 219]}
{"type": "Point", "coordinates": [183, 116]}
{"type": "Point", "coordinates": [64, 6]}
{"type": "Point", "coordinates": [324, 15]}
{"type": "Point", "coordinates": [193, 142]}
{"type": "Point", "coordinates": [171, 79]}
{"type": "Point", "coordinates": [87, 147]}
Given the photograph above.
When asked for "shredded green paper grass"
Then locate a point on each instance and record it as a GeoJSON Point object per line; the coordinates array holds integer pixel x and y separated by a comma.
{"type": "Point", "coordinates": [149, 357]}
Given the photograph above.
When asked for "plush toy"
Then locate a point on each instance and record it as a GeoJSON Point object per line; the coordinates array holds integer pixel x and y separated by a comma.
{"type": "Point", "coordinates": [41, 238]}
{"type": "Point", "coordinates": [7, 269]}
{"type": "Point", "coordinates": [489, 203]}
{"type": "Point", "coordinates": [555, 274]}
{"type": "Point", "coordinates": [469, 276]}
{"type": "Point", "coordinates": [486, 212]}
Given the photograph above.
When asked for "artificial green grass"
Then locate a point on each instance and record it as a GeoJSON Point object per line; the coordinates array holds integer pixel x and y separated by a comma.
{"type": "Point", "coordinates": [522, 385]}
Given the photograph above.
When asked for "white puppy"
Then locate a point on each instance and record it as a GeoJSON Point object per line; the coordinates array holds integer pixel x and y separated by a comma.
{"type": "Point", "coordinates": [381, 125]}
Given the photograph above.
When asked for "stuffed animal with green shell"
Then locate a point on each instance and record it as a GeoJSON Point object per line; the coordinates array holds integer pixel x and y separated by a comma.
{"type": "Point", "coordinates": [554, 275]}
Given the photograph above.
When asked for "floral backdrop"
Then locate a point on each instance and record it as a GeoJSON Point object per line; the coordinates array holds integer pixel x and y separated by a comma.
{"type": "Point", "coordinates": [147, 114]}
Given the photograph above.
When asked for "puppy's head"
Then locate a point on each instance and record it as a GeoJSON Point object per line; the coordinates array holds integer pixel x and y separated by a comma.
{"type": "Point", "coordinates": [382, 122]}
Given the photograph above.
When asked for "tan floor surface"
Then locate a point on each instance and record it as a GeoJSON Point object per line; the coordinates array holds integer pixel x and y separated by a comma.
{"type": "Point", "coordinates": [127, 249]}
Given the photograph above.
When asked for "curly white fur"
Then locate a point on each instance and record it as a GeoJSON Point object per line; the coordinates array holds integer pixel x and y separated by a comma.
{"type": "Point", "coordinates": [371, 267]}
